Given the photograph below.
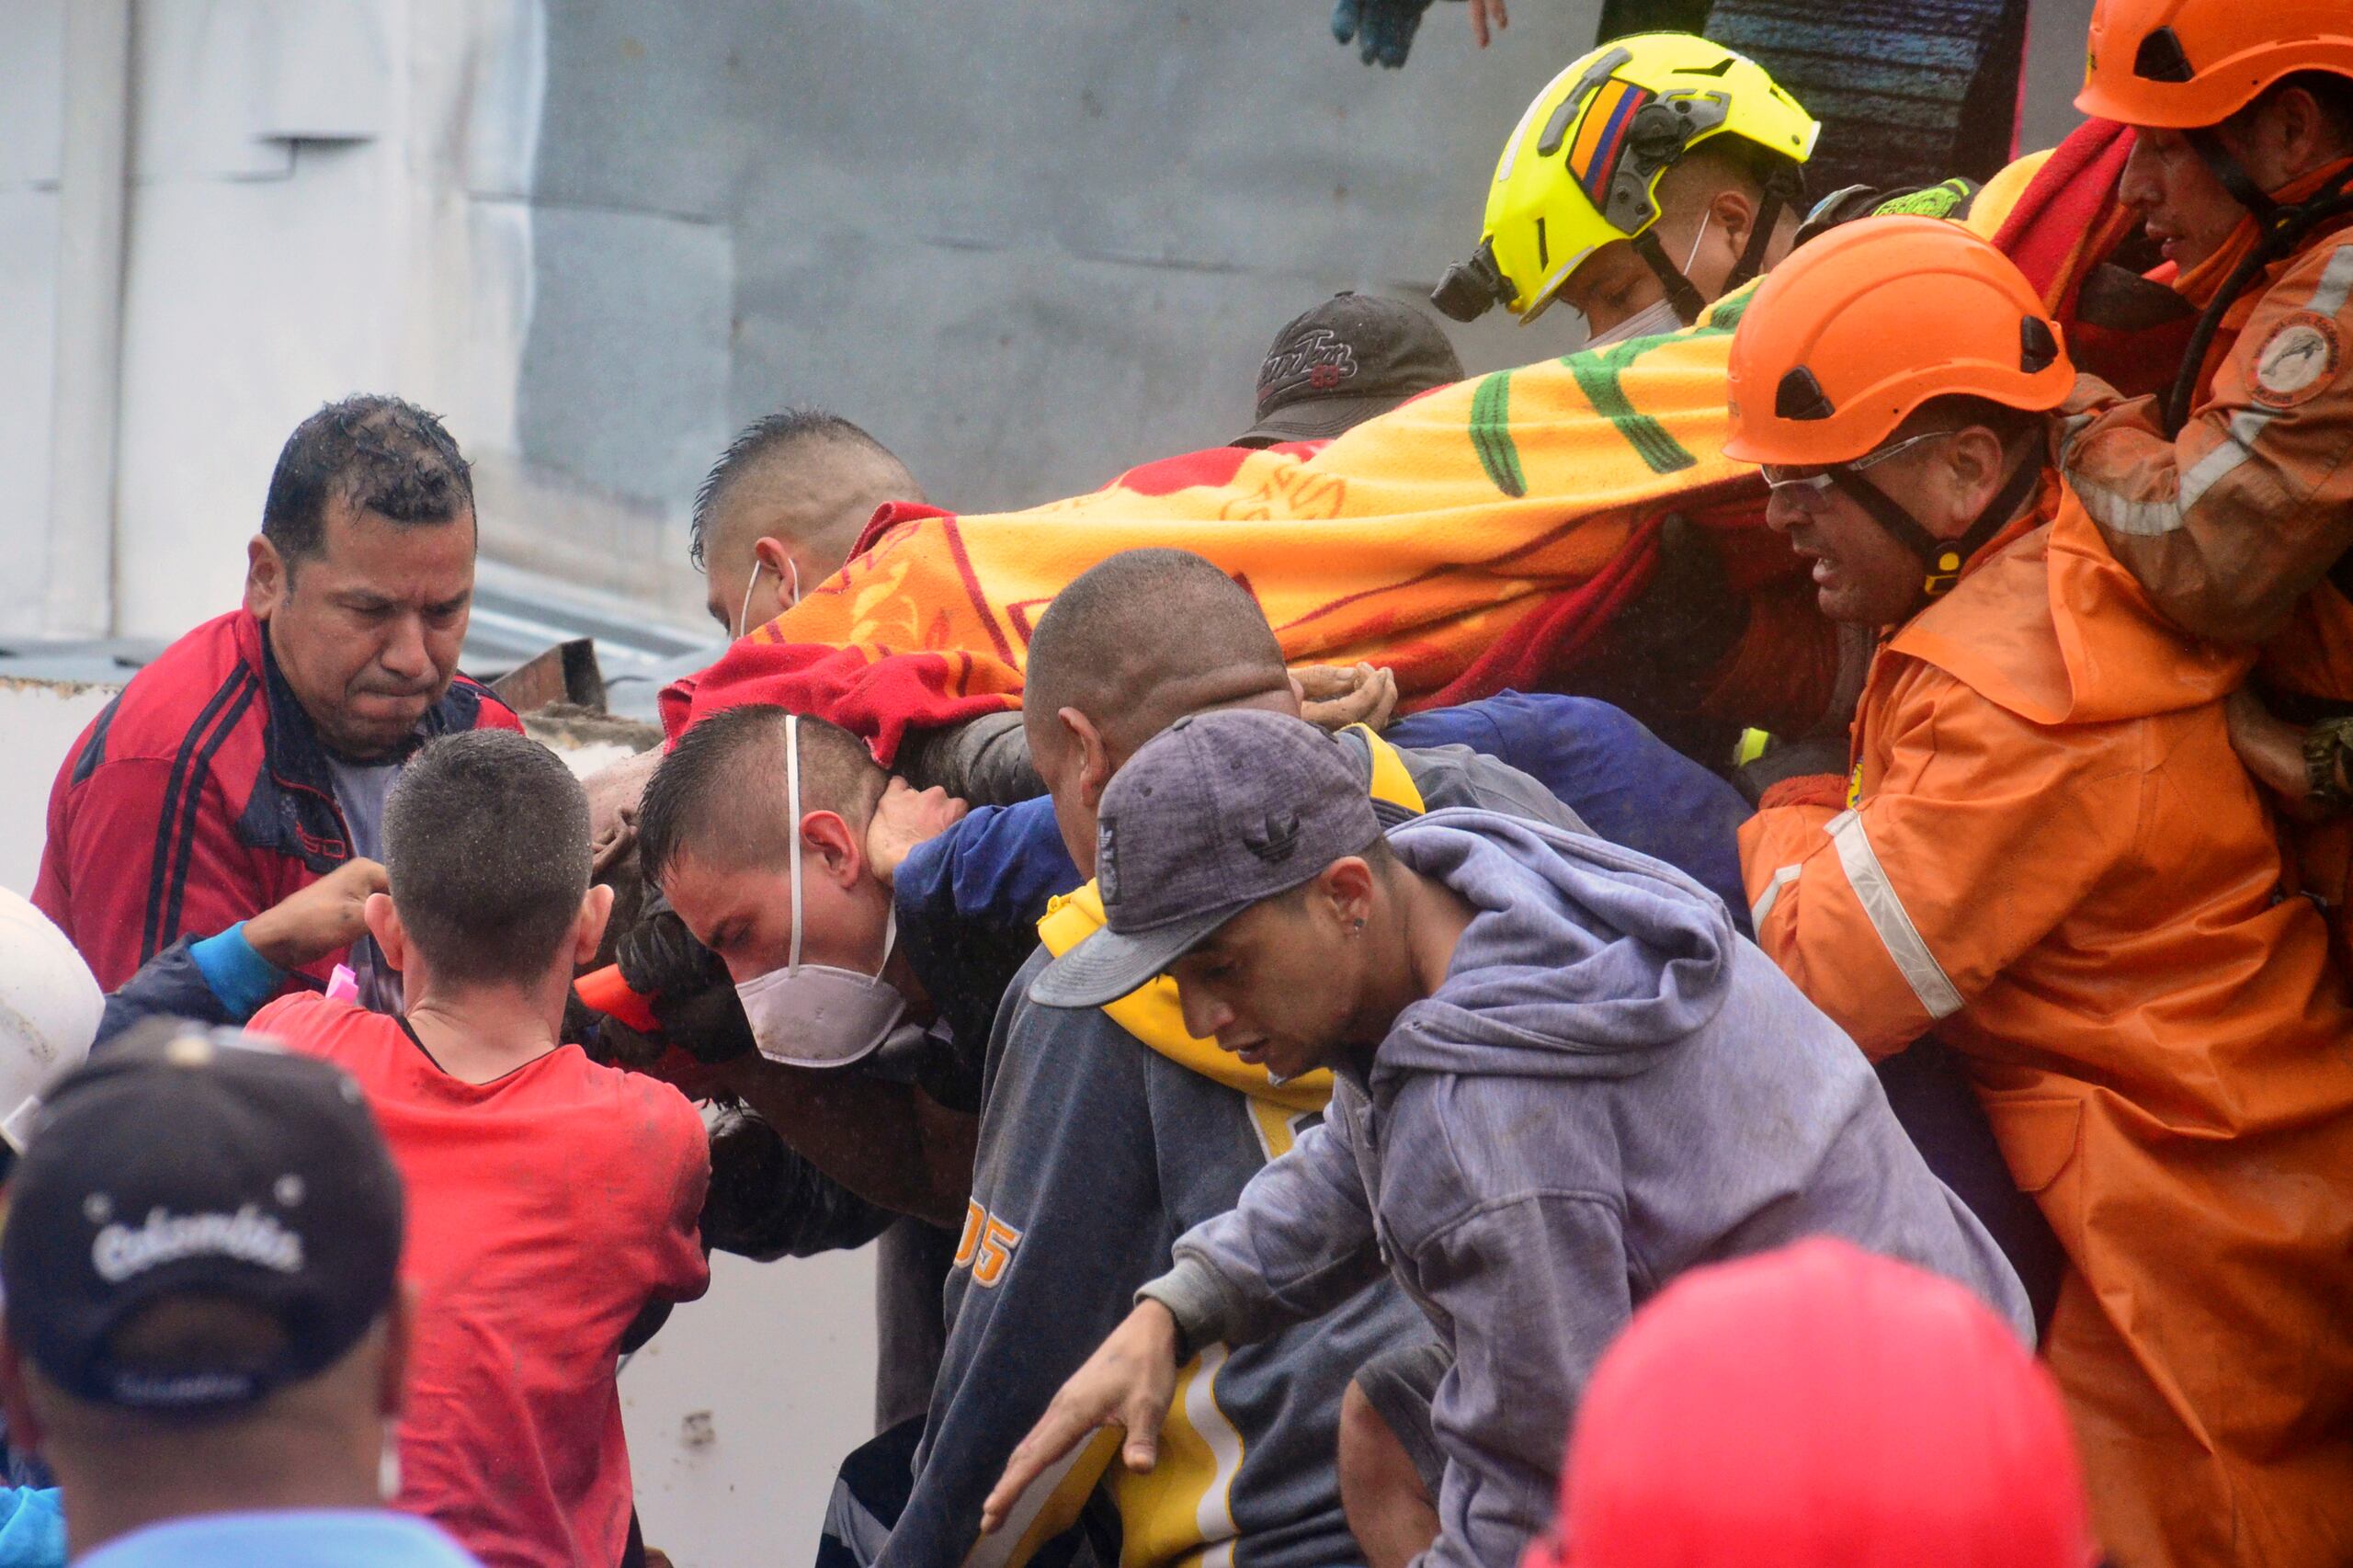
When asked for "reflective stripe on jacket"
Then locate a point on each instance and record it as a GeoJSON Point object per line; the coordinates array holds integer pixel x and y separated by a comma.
{"type": "Point", "coordinates": [2055, 862]}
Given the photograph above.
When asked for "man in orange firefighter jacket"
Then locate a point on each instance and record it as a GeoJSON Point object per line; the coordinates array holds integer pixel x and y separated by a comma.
{"type": "Point", "coordinates": [2047, 857]}
{"type": "Point", "coordinates": [2230, 494]}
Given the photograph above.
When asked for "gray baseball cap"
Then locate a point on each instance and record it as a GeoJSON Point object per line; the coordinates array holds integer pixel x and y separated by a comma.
{"type": "Point", "coordinates": [1217, 813]}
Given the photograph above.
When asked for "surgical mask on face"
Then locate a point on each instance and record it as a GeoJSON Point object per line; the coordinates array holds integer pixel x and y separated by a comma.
{"type": "Point", "coordinates": [815, 1014]}
{"type": "Point", "coordinates": [1654, 320]}
{"type": "Point", "coordinates": [792, 595]}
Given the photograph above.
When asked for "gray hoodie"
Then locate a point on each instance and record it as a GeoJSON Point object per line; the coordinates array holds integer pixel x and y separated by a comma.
{"type": "Point", "coordinates": [1610, 1087]}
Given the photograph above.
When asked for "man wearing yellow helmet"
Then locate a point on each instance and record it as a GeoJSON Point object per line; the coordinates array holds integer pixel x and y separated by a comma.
{"type": "Point", "coordinates": [1650, 179]}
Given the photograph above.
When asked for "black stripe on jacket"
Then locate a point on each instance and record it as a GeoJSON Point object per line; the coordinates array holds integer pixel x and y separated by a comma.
{"type": "Point", "coordinates": [183, 799]}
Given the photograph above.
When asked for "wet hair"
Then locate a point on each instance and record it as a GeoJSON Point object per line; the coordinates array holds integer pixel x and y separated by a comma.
{"type": "Point", "coordinates": [764, 440]}
{"type": "Point", "coordinates": [722, 790]}
{"type": "Point", "coordinates": [373, 453]}
{"type": "Point", "coordinates": [486, 847]}
{"type": "Point", "coordinates": [1145, 637]}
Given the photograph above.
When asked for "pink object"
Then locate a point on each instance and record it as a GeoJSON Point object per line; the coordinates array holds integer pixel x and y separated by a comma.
{"type": "Point", "coordinates": [343, 986]}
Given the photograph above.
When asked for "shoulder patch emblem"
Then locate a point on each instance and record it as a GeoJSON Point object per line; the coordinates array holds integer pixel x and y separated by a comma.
{"type": "Point", "coordinates": [2299, 361]}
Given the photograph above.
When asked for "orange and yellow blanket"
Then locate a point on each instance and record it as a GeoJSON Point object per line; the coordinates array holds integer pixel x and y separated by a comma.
{"type": "Point", "coordinates": [1483, 536]}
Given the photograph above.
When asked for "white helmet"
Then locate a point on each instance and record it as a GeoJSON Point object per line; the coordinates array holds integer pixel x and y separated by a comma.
{"type": "Point", "coordinates": [50, 1009]}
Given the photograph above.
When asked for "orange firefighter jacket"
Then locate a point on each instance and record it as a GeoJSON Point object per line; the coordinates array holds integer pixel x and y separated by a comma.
{"type": "Point", "coordinates": [2233, 521]}
{"type": "Point", "coordinates": [2236, 523]}
{"type": "Point", "coordinates": [2054, 861]}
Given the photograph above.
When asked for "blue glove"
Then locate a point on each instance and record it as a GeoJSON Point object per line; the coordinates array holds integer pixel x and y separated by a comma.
{"type": "Point", "coordinates": [32, 1529]}
{"type": "Point", "coordinates": [1382, 29]}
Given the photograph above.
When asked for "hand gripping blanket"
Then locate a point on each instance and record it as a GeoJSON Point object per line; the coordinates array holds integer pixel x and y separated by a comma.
{"type": "Point", "coordinates": [1483, 536]}
{"type": "Point", "coordinates": [1480, 535]}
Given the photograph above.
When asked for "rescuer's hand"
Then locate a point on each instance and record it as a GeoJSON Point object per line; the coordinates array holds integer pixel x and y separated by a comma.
{"type": "Point", "coordinates": [1336, 695]}
{"type": "Point", "coordinates": [904, 817]}
{"type": "Point", "coordinates": [1382, 30]}
{"type": "Point", "coordinates": [1486, 14]}
{"type": "Point", "coordinates": [1128, 1382]}
{"type": "Point", "coordinates": [2273, 750]}
{"type": "Point", "coordinates": [694, 1002]}
{"type": "Point", "coordinates": [707, 1025]}
{"type": "Point", "coordinates": [325, 917]}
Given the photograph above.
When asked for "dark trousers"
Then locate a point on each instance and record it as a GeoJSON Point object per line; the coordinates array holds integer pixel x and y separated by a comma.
{"type": "Point", "coordinates": [1932, 1096]}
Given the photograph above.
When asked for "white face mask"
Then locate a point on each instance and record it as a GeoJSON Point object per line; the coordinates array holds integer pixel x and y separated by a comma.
{"type": "Point", "coordinates": [792, 595]}
{"type": "Point", "coordinates": [1654, 320]}
{"type": "Point", "coordinates": [814, 1014]}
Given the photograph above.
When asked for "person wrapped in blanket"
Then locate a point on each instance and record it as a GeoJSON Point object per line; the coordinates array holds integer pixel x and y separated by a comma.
{"type": "Point", "coordinates": [1183, 635]}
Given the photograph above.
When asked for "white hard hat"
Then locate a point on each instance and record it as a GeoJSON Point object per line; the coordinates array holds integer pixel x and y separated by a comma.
{"type": "Point", "coordinates": [50, 1009]}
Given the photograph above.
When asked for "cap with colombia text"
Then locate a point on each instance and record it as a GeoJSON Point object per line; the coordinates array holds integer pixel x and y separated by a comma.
{"type": "Point", "coordinates": [1217, 813]}
{"type": "Point", "coordinates": [1351, 357]}
{"type": "Point", "coordinates": [185, 1162]}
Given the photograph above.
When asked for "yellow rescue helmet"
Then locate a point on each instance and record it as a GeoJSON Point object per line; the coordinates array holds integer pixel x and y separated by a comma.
{"type": "Point", "coordinates": [1581, 169]}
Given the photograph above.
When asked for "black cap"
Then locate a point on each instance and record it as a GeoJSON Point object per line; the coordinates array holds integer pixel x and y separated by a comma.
{"type": "Point", "coordinates": [1215, 814]}
{"type": "Point", "coordinates": [1349, 358]}
{"type": "Point", "coordinates": [188, 1162]}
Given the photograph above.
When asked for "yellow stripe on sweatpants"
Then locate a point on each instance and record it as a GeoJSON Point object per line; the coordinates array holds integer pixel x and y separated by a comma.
{"type": "Point", "coordinates": [1050, 1506]}
{"type": "Point", "coordinates": [1181, 1513]}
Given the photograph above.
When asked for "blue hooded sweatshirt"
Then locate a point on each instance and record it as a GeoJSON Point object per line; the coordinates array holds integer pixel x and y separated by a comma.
{"type": "Point", "coordinates": [1609, 1086]}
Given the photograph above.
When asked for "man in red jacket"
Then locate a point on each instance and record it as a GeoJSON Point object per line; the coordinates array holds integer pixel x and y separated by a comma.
{"type": "Point", "coordinates": [255, 755]}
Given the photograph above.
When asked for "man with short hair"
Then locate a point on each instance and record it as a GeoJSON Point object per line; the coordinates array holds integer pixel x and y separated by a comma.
{"type": "Point", "coordinates": [2046, 859]}
{"type": "Point", "coordinates": [717, 833]}
{"type": "Point", "coordinates": [1082, 1183]}
{"type": "Point", "coordinates": [1650, 179]}
{"type": "Point", "coordinates": [205, 1335]}
{"type": "Point", "coordinates": [1349, 359]}
{"type": "Point", "coordinates": [253, 755]}
{"type": "Point", "coordinates": [780, 509]}
{"type": "Point", "coordinates": [1148, 636]}
{"type": "Point", "coordinates": [1559, 1078]}
{"type": "Point", "coordinates": [552, 1201]}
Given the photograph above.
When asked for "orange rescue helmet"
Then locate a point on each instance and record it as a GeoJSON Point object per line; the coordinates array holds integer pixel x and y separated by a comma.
{"type": "Point", "coordinates": [1859, 328]}
{"type": "Point", "coordinates": [2183, 64]}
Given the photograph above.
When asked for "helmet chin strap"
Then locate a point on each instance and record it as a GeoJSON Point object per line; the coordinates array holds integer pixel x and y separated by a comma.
{"type": "Point", "coordinates": [1679, 292]}
{"type": "Point", "coordinates": [1944, 558]}
{"type": "Point", "coordinates": [1779, 190]}
{"type": "Point", "coordinates": [1784, 188]}
{"type": "Point", "coordinates": [2281, 230]}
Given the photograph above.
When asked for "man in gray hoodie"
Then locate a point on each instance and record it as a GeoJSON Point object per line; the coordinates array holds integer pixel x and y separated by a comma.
{"type": "Point", "coordinates": [1562, 1079]}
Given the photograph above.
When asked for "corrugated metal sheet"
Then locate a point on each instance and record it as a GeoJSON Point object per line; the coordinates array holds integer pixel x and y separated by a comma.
{"type": "Point", "coordinates": [1908, 91]}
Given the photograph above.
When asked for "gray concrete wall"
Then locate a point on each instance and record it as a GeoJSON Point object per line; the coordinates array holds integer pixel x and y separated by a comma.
{"type": "Point", "coordinates": [1027, 245]}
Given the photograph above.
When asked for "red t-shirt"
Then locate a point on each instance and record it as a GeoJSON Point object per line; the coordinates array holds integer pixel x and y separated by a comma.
{"type": "Point", "coordinates": [544, 1210]}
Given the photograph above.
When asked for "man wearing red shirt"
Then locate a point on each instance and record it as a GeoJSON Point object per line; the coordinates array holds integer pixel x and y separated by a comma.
{"type": "Point", "coordinates": [551, 1200]}
{"type": "Point", "coordinates": [252, 756]}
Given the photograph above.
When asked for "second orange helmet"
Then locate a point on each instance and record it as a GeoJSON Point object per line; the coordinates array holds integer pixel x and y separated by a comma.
{"type": "Point", "coordinates": [1859, 328]}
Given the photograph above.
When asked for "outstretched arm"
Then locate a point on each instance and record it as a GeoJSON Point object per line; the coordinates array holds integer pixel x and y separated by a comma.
{"type": "Point", "coordinates": [1127, 1383]}
{"type": "Point", "coordinates": [226, 977]}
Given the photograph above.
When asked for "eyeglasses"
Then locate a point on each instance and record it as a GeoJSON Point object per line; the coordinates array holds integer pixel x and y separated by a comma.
{"type": "Point", "coordinates": [1811, 490]}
